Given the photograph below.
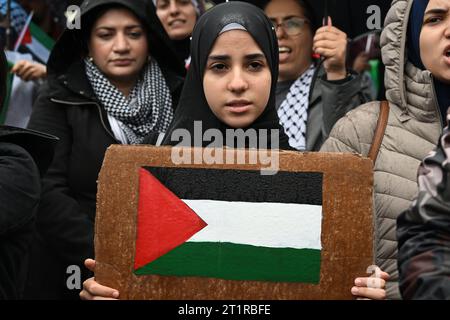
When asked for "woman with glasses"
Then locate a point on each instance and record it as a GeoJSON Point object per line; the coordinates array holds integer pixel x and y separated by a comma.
{"type": "Point", "coordinates": [312, 94]}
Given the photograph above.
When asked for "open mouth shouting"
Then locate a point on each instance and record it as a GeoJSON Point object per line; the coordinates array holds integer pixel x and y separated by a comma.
{"type": "Point", "coordinates": [284, 53]}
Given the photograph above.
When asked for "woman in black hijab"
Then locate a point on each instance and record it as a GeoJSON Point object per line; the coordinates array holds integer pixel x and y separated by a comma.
{"type": "Point", "coordinates": [114, 81]}
{"type": "Point", "coordinates": [194, 105]}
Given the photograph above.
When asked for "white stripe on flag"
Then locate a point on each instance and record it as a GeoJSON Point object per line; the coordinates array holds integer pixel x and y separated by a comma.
{"type": "Point", "coordinates": [39, 50]}
{"type": "Point", "coordinates": [262, 224]}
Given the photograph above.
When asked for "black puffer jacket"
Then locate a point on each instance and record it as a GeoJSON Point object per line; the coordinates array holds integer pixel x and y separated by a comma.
{"type": "Point", "coordinates": [69, 109]}
{"type": "Point", "coordinates": [23, 155]}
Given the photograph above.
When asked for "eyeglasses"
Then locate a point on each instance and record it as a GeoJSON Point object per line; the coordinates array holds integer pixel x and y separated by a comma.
{"type": "Point", "coordinates": [292, 26]}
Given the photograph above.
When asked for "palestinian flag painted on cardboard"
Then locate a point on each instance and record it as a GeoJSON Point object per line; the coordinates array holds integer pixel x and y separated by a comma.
{"type": "Point", "coordinates": [229, 224]}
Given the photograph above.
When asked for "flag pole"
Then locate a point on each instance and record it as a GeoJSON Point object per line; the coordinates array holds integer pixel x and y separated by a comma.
{"type": "Point", "coordinates": [8, 25]}
{"type": "Point", "coordinates": [325, 14]}
{"type": "Point", "coordinates": [24, 31]}
{"type": "Point", "coordinates": [324, 23]}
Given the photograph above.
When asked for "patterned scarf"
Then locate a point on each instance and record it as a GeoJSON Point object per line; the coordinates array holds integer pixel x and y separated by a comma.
{"type": "Point", "coordinates": [148, 107]}
{"type": "Point", "coordinates": [293, 111]}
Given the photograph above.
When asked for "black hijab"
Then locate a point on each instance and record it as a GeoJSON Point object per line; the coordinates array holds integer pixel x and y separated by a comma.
{"type": "Point", "coordinates": [193, 105]}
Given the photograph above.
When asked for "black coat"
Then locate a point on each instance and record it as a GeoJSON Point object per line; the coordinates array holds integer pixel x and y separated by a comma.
{"type": "Point", "coordinates": [69, 109]}
{"type": "Point", "coordinates": [19, 197]}
{"type": "Point", "coordinates": [23, 154]}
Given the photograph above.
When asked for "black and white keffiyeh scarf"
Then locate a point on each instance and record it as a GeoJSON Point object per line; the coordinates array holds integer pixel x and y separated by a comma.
{"type": "Point", "coordinates": [147, 109]}
{"type": "Point", "coordinates": [293, 111]}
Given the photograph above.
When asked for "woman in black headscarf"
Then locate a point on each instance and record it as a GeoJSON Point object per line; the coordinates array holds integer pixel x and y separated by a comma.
{"type": "Point", "coordinates": [251, 107]}
{"type": "Point", "coordinates": [196, 104]}
{"type": "Point", "coordinates": [114, 81]}
{"type": "Point", "coordinates": [24, 156]}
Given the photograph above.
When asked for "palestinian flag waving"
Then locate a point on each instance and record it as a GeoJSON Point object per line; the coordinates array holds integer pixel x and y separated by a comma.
{"type": "Point", "coordinates": [35, 40]}
{"type": "Point", "coordinates": [229, 224]}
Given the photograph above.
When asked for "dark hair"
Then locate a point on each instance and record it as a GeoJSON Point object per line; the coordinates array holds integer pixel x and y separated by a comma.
{"type": "Point", "coordinates": [91, 18]}
{"type": "Point", "coordinates": [307, 11]}
{"type": "Point", "coordinates": [3, 78]}
{"type": "Point", "coordinates": [309, 14]}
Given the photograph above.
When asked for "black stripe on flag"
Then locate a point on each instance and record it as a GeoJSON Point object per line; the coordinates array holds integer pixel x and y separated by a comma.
{"type": "Point", "coordinates": [242, 185]}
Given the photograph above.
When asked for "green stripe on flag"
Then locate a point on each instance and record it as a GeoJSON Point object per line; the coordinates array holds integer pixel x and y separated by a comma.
{"type": "Point", "coordinates": [238, 262]}
{"type": "Point", "coordinates": [41, 36]}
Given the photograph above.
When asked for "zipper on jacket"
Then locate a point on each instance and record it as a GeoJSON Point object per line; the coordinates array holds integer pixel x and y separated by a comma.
{"type": "Point", "coordinates": [436, 103]}
{"type": "Point", "coordinates": [84, 103]}
{"type": "Point", "coordinates": [313, 81]}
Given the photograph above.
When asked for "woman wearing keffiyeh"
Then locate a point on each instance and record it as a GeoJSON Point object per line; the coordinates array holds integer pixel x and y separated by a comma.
{"type": "Point", "coordinates": [113, 81]}
{"type": "Point", "coordinates": [312, 94]}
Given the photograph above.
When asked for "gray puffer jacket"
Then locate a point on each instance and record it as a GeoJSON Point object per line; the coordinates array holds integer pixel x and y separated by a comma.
{"type": "Point", "coordinates": [413, 129]}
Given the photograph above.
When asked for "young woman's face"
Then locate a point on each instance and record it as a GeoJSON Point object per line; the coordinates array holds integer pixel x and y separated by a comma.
{"type": "Point", "coordinates": [435, 39]}
{"type": "Point", "coordinates": [178, 17]}
{"type": "Point", "coordinates": [237, 79]}
{"type": "Point", "coordinates": [118, 45]}
{"type": "Point", "coordinates": [295, 50]}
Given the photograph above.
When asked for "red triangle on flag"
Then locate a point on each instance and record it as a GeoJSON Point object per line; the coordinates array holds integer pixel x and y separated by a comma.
{"type": "Point", "coordinates": [164, 221]}
{"type": "Point", "coordinates": [27, 38]}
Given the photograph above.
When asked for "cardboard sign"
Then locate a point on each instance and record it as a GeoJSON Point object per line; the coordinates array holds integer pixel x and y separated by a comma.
{"type": "Point", "coordinates": [218, 230]}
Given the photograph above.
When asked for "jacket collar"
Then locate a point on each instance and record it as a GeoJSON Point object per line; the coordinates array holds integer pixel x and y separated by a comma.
{"type": "Point", "coordinates": [407, 87]}
{"type": "Point", "coordinates": [40, 146]}
{"type": "Point", "coordinates": [74, 86]}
